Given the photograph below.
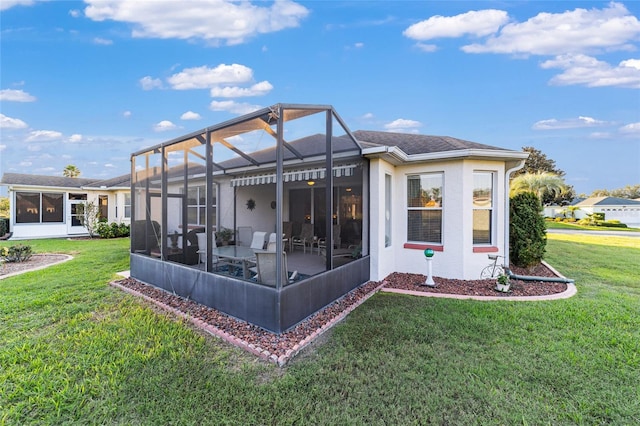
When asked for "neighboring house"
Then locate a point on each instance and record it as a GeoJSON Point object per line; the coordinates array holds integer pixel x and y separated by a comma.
{"type": "Point", "coordinates": [388, 197]}
{"type": "Point", "coordinates": [51, 206]}
{"type": "Point", "coordinates": [623, 209]}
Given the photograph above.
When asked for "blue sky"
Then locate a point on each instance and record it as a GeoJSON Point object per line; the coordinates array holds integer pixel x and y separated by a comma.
{"type": "Point", "coordinates": [89, 82]}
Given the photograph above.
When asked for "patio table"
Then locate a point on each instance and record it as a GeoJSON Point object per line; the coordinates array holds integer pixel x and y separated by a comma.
{"type": "Point", "coordinates": [235, 255]}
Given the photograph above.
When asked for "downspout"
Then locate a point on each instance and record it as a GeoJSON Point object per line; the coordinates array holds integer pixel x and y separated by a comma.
{"type": "Point", "coordinates": [507, 178]}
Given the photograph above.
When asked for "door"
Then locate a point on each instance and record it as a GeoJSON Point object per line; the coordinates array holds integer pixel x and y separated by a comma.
{"type": "Point", "coordinates": [75, 207]}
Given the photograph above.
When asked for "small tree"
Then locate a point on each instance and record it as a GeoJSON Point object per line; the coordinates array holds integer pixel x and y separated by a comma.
{"type": "Point", "coordinates": [90, 217]}
{"type": "Point", "coordinates": [527, 231]}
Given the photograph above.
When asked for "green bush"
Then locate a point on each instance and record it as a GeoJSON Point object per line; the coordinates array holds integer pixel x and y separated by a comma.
{"type": "Point", "coordinates": [597, 216]}
{"type": "Point", "coordinates": [4, 226]}
{"type": "Point", "coordinates": [527, 231]}
{"type": "Point", "coordinates": [113, 230]}
{"type": "Point", "coordinates": [17, 253]}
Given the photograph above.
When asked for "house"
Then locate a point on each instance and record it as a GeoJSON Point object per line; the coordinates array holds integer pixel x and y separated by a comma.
{"type": "Point", "coordinates": [623, 209]}
{"type": "Point", "coordinates": [51, 206]}
{"type": "Point", "coordinates": [350, 207]}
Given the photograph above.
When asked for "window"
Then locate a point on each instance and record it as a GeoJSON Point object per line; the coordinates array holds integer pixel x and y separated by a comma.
{"type": "Point", "coordinates": [103, 204]}
{"type": "Point", "coordinates": [36, 207]}
{"type": "Point", "coordinates": [482, 207]}
{"type": "Point", "coordinates": [196, 206]}
{"type": "Point", "coordinates": [424, 205]}
{"type": "Point", "coordinates": [127, 205]}
{"type": "Point", "coordinates": [387, 210]}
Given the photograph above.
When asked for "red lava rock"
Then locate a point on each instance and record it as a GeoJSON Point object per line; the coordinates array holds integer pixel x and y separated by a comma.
{"type": "Point", "coordinates": [276, 346]}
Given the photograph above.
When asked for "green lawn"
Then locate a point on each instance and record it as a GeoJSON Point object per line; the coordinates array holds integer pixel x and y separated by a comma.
{"type": "Point", "coordinates": [73, 350]}
{"type": "Point", "coordinates": [567, 225]}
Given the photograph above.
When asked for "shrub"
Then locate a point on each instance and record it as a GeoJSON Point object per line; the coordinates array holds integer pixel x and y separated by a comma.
{"type": "Point", "coordinates": [113, 230]}
{"type": "Point", "coordinates": [4, 226]}
{"type": "Point", "coordinates": [17, 253]}
{"type": "Point", "coordinates": [527, 231]}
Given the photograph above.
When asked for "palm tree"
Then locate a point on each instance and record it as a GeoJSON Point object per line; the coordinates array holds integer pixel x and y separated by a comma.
{"type": "Point", "coordinates": [71, 171]}
{"type": "Point", "coordinates": [539, 183]}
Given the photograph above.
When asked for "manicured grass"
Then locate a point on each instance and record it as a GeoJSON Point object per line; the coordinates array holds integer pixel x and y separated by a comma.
{"type": "Point", "coordinates": [566, 225]}
{"type": "Point", "coordinates": [74, 350]}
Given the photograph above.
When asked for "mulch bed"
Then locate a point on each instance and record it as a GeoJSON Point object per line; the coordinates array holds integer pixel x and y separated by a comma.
{"type": "Point", "coordinates": [415, 282]}
{"type": "Point", "coordinates": [280, 347]}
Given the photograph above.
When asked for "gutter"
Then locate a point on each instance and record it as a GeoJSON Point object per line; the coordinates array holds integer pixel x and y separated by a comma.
{"type": "Point", "coordinates": [507, 178]}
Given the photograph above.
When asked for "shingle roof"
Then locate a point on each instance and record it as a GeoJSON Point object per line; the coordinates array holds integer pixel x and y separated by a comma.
{"type": "Point", "coordinates": [412, 144]}
{"type": "Point", "coordinates": [63, 182]}
{"type": "Point", "coordinates": [608, 201]}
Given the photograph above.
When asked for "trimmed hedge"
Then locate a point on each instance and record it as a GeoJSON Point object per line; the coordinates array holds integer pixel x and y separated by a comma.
{"type": "Point", "coordinates": [527, 230]}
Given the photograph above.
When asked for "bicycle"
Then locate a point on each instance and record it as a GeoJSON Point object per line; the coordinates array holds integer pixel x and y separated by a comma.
{"type": "Point", "coordinates": [493, 270]}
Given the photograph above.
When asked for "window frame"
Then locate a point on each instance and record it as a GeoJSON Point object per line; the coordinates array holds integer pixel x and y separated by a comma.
{"type": "Point", "coordinates": [201, 204]}
{"type": "Point", "coordinates": [437, 207]}
{"type": "Point", "coordinates": [491, 207]}
{"type": "Point", "coordinates": [60, 198]}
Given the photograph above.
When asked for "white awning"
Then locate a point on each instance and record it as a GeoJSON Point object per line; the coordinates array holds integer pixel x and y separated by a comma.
{"type": "Point", "coordinates": [294, 175]}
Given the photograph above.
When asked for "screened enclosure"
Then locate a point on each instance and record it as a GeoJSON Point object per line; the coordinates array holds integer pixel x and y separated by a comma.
{"type": "Point", "coordinates": [289, 180]}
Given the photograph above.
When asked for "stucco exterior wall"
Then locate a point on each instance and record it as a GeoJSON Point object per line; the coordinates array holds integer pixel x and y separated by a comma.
{"type": "Point", "coordinates": [456, 257]}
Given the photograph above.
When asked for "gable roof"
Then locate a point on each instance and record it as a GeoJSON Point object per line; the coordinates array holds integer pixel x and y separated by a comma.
{"type": "Point", "coordinates": [24, 179]}
{"type": "Point", "coordinates": [607, 201]}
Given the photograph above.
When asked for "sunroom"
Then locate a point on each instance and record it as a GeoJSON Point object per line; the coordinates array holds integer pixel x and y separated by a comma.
{"type": "Point", "coordinates": [263, 217]}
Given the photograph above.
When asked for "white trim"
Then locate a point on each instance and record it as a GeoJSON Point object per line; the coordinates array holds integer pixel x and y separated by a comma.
{"type": "Point", "coordinates": [293, 176]}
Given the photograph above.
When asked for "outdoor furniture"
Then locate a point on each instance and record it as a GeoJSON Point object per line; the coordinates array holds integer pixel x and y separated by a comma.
{"type": "Point", "coordinates": [304, 239]}
{"type": "Point", "coordinates": [202, 249]}
{"type": "Point", "coordinates": [259, 237]}
{"type": "Point", "coordinates": [236, 256]}
{"type": "Point", "coordinates": [322, 242]}
{"type": "Point", "coordinates": [266, 267]}
{"type": "Point", "coordinates": [244, 236]}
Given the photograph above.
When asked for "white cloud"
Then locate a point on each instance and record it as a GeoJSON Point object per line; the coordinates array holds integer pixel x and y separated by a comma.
{"type": "Point", "coordinates": [75, 13]}
{"type": "Point", "coordinates": [163, 126]}
{"type": "Point", "coordinates": [190, 115]}
{"type": "Point", "coordinates": [358, 45]}
{"type": "Point", "coordinates": [233, 107]}
{"type": "Point", "coordinates": [475, 23]}
{"type": "Point", "coordinates": [126, 114]}
{"type": "Point", "coordinates": [26, 163]}
{"type": "Point", "coordinates": [149, 83]}
{"type": "Point", "coordinates": [367, 116]}
{"type": "Point", "coordinates": [258, 89]}
{"type": "Point", "coordinates": [570, 123]}
{"type": "Point", "coordinates": [109, 166]}
{"type": "Point", "coordinates": [75, 138]}
{"type": "Point", "coordinates": [34, 148]}
{"type": "Point", "coordinates": [403, 125]}
{"type": "Point", "coordinates": [633, 128]}
{"type": "Point", "coordinates": [210, 20]}
{"type": "Point", "coordinates": [16, 96]}
{"type": "Point", "coordinates": [600, 135]}
{"type": "Point", "coordinates": [11, 123]}
{"type": "Point", "coordinates": [102, 41]}
{"type": "Point", "coordinates": [427, 47]}
{"type": "Point", "coordinates": [43, 135]}
{"type": "Point", "coordinates": [2, 147]}
{"type": "Point", "coordinates": [589, 71]}
{"type": "Point", "coordinates": [575, 31]}
{"type": "Point", "coordinates": [8, 4]}
{"type": "Point", "coordinates": [204, 77]}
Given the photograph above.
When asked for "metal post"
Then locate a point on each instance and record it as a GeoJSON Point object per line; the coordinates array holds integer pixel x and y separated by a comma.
{"type": "Point", "coordinates": [428, 255]}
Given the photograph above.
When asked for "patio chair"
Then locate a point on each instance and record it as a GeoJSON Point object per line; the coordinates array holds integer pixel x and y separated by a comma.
{"type": "Point", "coordinates": [244, 235]}
{"type": "Point", "coordinates": [202, 249]}
{"type": "Point", "coordinates": [259, 237]}
{"type": "Point", "coordinates": [287, 229]}
{"type": "Point", "coordinates": [322, 242]}
{"type": "Point", "coordinates": [305, 239]}
{"type": "Point", "coordinates": [271, 244]}
{"type": "Point", "coordinates": [266, 267]}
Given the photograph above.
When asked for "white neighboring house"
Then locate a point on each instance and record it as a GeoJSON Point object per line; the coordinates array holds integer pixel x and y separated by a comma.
{"type": "Point", "coordinates": [48, 206]}
{"type": "Point", "coordinates": [623, 209]}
